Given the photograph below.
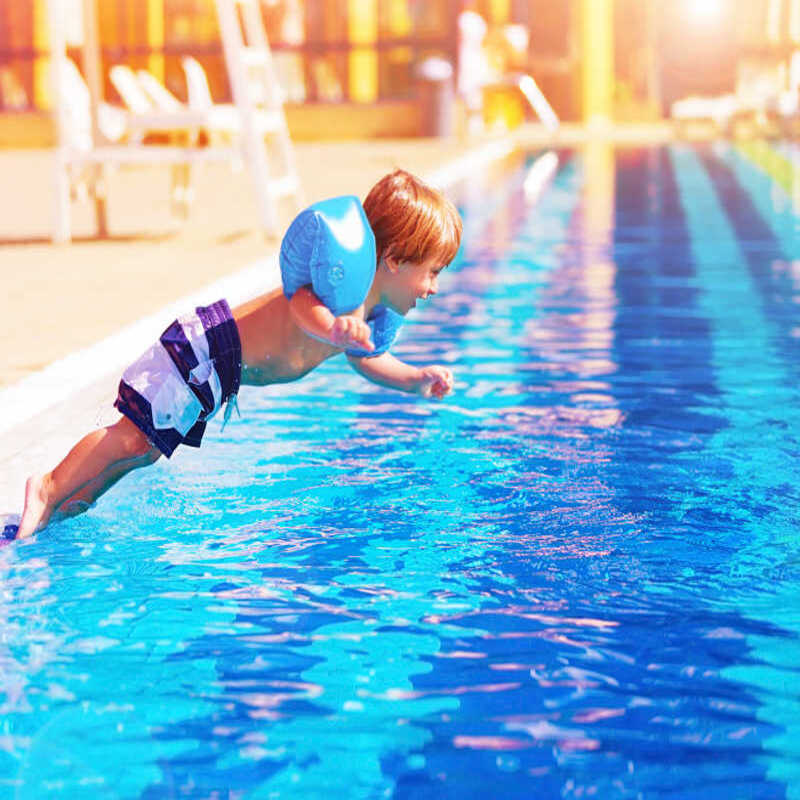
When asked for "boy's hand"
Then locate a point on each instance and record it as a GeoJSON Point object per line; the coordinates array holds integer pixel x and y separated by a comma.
{"type": "Point", "coordinates": [349, 331]}
{"type": "Point", "coordinates": [437, 381]}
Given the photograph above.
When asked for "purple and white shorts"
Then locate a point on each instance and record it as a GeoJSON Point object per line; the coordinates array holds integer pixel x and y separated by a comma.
{"type": "Point", "coordinates": [179, 383]}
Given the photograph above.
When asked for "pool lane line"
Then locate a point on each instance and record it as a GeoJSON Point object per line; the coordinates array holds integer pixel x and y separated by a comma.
{"type": "Point", "coordinates": [777, 208]}
{"type": "Point", "coordinates": [61, 379]}
{"type": "Point", "coordinates": [671, 260]}
{"type": "Point", "coordinates": [665, 383]}
{"type": "Point", "coordinates": [757, 173]}
{"type": "Point", "coordinates": [748, 203]}
{"type": "Point", "coordinates": [781, 166]}
{"type": "Point", "coordinates": [779, 160]}
{"type": "Point", "coordinates": [714, 243]}
{"type": "Point", "coordinates": [663, 341]}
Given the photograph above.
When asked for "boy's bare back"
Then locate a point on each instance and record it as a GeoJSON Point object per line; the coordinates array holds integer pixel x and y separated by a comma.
{"type": "Point", "coordinates": [274, 347]}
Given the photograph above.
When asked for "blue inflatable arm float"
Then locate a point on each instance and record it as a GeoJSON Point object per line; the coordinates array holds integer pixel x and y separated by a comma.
{"type": "Point", "coordinates": [331, 247]}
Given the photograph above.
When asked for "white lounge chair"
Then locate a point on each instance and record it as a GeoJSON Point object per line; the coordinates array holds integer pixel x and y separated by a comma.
{"type": "Point", "coordinates": [125, 82]}
{"type": "Point", "coordinates": [112, 121]}
{"type": "Point", "coordinates": [224, 117]}
{"type": "Point", "coordinates": [158, 111]}
{"type": "Point", "coordinates": [153, 108]}
{"type": "Point", "coordinates": [161, 97]}
{"type": "Point", "coordinates": [197, 86]}
{"type": "Point", "coordinates": [247, 55]}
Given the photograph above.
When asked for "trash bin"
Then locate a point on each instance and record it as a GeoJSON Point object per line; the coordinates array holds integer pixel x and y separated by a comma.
{"type": "Point", "coordinates": [437, 96]}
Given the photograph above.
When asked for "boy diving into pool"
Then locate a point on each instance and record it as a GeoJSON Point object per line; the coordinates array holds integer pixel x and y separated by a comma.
{"type": "Point", "coordinates": [350, 273]}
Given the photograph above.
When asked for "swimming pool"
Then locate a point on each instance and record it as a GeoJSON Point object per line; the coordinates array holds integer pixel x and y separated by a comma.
{"type": "Point", "coordinates": [579, 576]}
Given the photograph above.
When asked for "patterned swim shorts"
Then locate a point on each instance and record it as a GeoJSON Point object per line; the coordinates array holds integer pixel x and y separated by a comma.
{"type": "Point", "coordinates": [179, 383]}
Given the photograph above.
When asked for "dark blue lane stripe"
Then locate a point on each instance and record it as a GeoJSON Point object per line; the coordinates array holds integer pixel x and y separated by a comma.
{"type": "Point", "coordinates": [662, 341]}
{"type": "Point", "coordinates": [760, 248]}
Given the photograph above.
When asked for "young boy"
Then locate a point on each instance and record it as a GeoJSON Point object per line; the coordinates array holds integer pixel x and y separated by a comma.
{"type": "Point", "coordinates": [349, 276]}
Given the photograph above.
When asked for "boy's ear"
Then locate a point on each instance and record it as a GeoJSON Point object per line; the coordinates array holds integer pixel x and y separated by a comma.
{"type": "Point", "coordinates": [392, 264]}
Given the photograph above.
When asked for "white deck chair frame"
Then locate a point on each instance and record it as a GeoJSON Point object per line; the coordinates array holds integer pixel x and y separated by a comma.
{"type": "Point", "coordinates": [145, 95]}
{"type": "Point", "coordinates": [101, 153]}
{"type": "Point", "coordinates": [225, 116]}
{"type": "Point", "coordinates": [249, 61]}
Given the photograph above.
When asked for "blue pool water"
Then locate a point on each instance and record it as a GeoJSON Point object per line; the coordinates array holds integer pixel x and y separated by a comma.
{"type": "Point", "coordinates": [577, 577]}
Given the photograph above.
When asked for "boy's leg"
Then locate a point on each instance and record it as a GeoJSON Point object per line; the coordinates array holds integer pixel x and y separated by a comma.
{"type": "Point", "coordinates": [98, 461]}
{"type": "Point", "coordinates": [85, 497]}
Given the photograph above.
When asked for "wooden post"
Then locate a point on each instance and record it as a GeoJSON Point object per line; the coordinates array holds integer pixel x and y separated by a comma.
{"type": "Point", "coordinates": [362, 61]}
{"type": "Point", "coordinates": [597, 50]}
{"type": "Point", "coordinates": [41, 82]}
{"type": "Point", "coordinates": [155, 38]}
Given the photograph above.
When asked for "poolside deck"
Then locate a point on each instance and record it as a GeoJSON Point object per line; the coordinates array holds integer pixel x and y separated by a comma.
{"type": "Point", "coordinates": [61, 299]}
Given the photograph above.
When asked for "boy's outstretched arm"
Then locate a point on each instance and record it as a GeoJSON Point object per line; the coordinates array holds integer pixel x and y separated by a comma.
{"type": "Point", "coordinates": [386, 370]}
{"type": "Point", "coordinates": [314, 317]}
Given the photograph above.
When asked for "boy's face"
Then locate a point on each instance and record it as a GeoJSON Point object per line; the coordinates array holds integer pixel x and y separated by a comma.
{"type": "Point", "coordinates": [406, 282]}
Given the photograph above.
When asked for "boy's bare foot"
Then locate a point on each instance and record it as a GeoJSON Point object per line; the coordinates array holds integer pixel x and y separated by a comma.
{"type": "Point", "coordinates": [36, 513]}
